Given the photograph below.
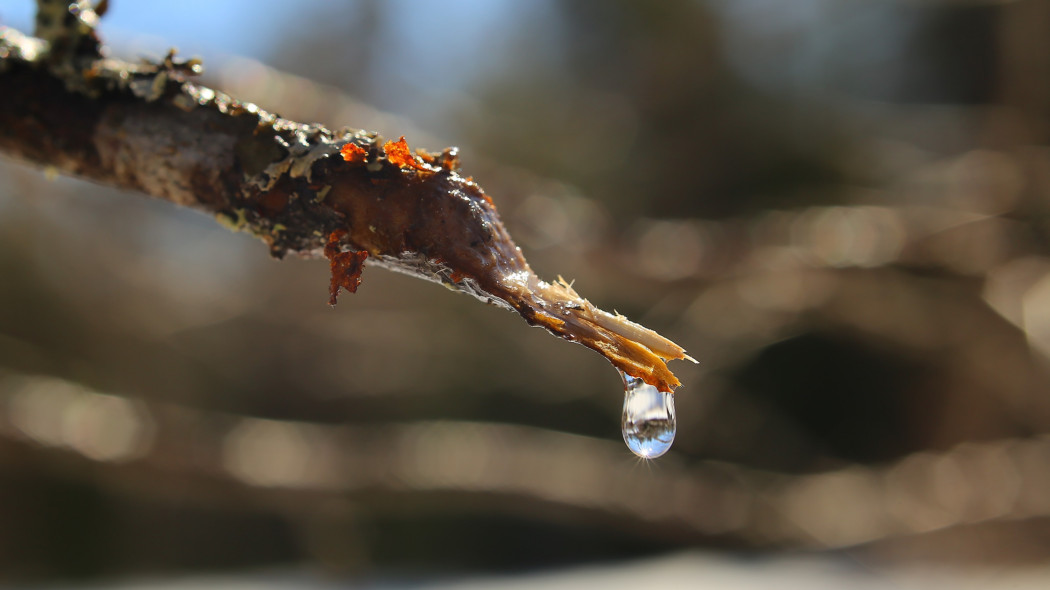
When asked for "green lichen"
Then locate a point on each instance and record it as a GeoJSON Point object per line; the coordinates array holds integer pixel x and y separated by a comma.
{"type": "Point", "coordinates": [234, 221]}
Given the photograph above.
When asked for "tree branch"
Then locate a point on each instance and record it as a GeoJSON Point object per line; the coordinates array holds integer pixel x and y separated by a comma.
{"type": "Point", "coordinates": [304, 189]}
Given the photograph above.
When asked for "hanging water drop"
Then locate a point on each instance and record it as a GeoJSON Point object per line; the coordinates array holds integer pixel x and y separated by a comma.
{"type": "Point", "coordinates": [649, 420]}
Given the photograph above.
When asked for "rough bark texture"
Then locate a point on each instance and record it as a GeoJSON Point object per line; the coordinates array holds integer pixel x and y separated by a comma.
{"type": "Point", "coordinates": [300, 188]}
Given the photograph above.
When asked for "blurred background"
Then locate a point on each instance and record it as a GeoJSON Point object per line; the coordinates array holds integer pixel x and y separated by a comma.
{"type": "Point", "coordinates": [840, 207]}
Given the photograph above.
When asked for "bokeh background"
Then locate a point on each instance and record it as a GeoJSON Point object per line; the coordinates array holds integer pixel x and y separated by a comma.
{"type": "Point", "coordinates": [840, 207]}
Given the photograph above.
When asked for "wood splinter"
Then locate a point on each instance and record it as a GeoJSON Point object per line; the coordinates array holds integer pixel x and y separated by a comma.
{"type": "Point", "coordinates": [302, 189]}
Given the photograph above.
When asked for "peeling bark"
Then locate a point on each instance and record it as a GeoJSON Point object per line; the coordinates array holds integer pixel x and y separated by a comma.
{"type": "Point", "coordinates": [302, 189]}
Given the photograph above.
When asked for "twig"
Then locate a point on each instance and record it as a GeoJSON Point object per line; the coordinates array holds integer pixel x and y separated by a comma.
{"type": "Point", "coordinates": [301, 188]}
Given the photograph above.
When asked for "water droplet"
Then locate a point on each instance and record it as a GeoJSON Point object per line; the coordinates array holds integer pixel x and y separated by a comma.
{"type": "Point", "coordinates": [649, 420]}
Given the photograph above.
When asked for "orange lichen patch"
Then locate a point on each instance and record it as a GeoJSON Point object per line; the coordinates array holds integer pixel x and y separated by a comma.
{"type": "Point", "coordinates": [450, 158]}
{"type": "Point", "coordinates": [353, 153]}
{"type": "Point", "coordinates": [346, 267]}
{"type": "Point", "coordinates": [456, 276]}
{"type": "Point", "coordinates": [398, 153]}
{"type": "Point", "coordinates": [447, 159]}
{"type": "Point", "coordinates": [426, 156]}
